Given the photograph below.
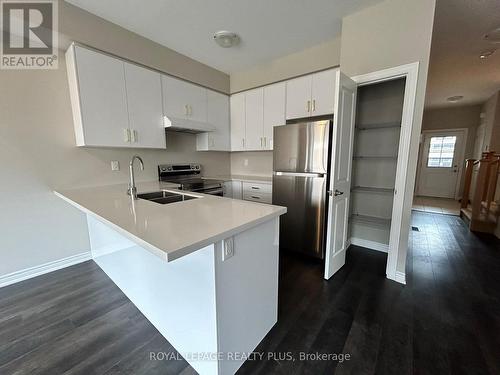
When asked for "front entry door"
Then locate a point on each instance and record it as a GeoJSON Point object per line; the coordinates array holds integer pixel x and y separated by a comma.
{"type": "Point", "coordinates": [442, 158]}
{"type": "Point", "coordinates": [340, 174]}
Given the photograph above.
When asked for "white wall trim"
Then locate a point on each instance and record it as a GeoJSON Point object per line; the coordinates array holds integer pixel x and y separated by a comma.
{"type": "Point", "coordinates": [28, 273]}
{"type": "Point", "coordinates": [410, 72]}
{"type": "Point", "coordinates": [400, 277]}
{"type": "Point", "coordinates": [372, 245]}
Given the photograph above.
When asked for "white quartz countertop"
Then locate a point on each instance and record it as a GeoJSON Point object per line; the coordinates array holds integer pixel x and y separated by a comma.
{"type": "Point", "coordinates": [173, 230]}
{"type": "Point", "coordinates": [240, 177]}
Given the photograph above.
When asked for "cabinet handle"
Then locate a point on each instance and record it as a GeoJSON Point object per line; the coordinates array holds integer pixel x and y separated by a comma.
{"type": "Point", "coordinates": [314, 105]}
{"type": "Point", "coordinates": [126, 135]}
{"type": "Point", "coordinates": [190, 110]}
{"type": "Point", "coordinates": [186, 110]}
{"type": "Point", "coordinates": [260, 142]}
{"type": "Point", "coordinates": [134, 136]}
{"type": "Point", "coordinates": [265, 141]}
{"type": "Point", "coordinates": [308, 106]}
{"type": "Point", "coordinates": [255, 188]}
{"type": "Point", "coordinates": [254, 197]}
{"type": "Point", "coordinates": [243, 142]}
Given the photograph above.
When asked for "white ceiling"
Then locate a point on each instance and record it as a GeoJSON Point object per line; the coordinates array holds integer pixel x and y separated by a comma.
{"type": "Point", "coordinates": [268, 28]}
{"type": "Point", "coordinates": [455, 67]}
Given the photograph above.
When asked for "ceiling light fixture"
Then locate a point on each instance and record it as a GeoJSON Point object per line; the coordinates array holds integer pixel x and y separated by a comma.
{"type": "Point", "coordinates": [226, 39]}
{"type": "Point", "coordinates": [486, 53]}
{"type": "Point", "coordinates": [454, 99]}
{"type": "Point", "coordinates": [493, 36]}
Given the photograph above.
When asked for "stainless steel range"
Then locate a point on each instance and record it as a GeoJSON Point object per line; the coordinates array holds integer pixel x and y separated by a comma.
{"type": "Point", "coordinates": [188, 176]}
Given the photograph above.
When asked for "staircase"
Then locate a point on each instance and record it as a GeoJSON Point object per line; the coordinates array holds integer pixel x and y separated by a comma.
{"type": "Point", "coordinates": [481, 211]}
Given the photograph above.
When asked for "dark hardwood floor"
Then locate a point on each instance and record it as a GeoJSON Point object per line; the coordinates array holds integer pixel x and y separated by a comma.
{"type": "Point", "coordinates": [446, 320]}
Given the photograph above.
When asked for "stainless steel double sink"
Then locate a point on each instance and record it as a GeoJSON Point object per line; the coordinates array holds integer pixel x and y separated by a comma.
{"type": "Point", "coordinates": [165, 197]}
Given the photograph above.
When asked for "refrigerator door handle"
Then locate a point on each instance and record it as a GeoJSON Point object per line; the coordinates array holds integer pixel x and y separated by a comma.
{"type": "Point", "coordinates": [305, 174]}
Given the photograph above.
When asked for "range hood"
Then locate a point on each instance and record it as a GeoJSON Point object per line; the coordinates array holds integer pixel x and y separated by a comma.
{"type": "Point", "coordinates": [186, 126]}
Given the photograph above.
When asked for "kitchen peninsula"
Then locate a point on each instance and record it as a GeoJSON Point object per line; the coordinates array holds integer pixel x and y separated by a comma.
{"type": "Point", "coordinates": [203, 270]}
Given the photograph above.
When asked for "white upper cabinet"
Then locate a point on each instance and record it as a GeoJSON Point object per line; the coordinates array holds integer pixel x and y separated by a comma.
{"type": "Point", "coordinates": [183, 100]}
{"type": "Point", "coordinates": [145, 108]}
{"type": "Point", "coordinates": [254, 119]}
{"type": "Point", "coordinates": [298, 97]}
{"type": "Point", "coordinates": [237, 110]}
{"type": "Point", "coordinates": [98, 98]}
{"type": "Point", "coordinates": [218, 117]}
{"type": "Point", "coordinates": [274, 111]}
{"type": "Point", "coordinates": [311, 95]}
{"type": "Point", "coordinates": [323, 92]}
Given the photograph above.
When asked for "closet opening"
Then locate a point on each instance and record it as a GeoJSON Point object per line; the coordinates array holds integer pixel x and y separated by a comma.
{"type": "Point", "coordinates": [379, 113]}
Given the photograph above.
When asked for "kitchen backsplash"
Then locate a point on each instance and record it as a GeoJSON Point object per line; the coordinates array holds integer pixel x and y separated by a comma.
{"type": "Point", "coordinates": [259, 163]}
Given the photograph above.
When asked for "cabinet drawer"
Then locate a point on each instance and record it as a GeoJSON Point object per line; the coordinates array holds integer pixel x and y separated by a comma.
{"type": "Point", "coordinates": [257, 197]}
{"type": "Point", "coordinates": [251, 187]}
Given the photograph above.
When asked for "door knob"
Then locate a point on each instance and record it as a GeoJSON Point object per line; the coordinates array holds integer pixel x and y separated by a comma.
{"type": "Point", "coordinates": [336, 193]}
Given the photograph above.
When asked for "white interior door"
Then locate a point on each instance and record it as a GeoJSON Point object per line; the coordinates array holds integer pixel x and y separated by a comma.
{"type": "Point", "coordinates": [441, 161]}
{"type": "Point", "coordinates": [340, 173]}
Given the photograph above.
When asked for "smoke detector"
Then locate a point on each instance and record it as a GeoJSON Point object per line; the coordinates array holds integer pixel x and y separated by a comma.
{"type": "Point", "coordinates": [226, 39]}
{"type": "Point", "coordinates": [454, 99]}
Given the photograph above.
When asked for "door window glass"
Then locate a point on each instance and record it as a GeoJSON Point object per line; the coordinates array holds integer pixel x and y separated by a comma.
{"type": "Point", "coordinates": [441, 150]}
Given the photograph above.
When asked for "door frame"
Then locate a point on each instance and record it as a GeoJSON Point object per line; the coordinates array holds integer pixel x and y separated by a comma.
{"type": "Point", "coordinates": [465, 132]}
{"type": "Point", "coordinates": [401, 198]}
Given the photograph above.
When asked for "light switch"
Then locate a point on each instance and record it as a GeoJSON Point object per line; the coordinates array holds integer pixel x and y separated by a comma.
{"type": "Point", "coordinates": [245, 162]}
{"type": "Point", "coordinates": [115, 165]}
{"type": "Point", "coordinates": [227, 248]}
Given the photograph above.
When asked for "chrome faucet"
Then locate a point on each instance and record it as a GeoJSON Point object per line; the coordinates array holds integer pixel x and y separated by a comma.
{"type": "Point", "coordinates": [132, 190]}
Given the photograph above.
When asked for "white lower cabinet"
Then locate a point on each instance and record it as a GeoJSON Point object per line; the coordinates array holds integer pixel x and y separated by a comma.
{"type": "Point", "coordinates": [257, 192]}
{"type": "Point", "coordinates": [236, 190]}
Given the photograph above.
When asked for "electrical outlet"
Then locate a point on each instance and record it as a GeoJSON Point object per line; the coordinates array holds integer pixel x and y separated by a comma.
{"type": "Point", "coordinates": [227, 248]}
{"type": "Point", "coordinates": [245, 162]}
{"type": "Point", "coordinates": [115, 165]}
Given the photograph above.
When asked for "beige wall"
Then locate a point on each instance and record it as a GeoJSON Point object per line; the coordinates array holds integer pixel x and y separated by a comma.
{"type": "Point", "coordinates": [258, 163]}
{"type": "Point", "coordinates": [392, 33]}
{"type": "Point", "coordinates": [37, 146]}
{"type": "Point", "coordinates": [455, 118]}
{"type": "Point", "coordinates": [322, 56]}
{"type": "Point", "coordinates": [76, 24]}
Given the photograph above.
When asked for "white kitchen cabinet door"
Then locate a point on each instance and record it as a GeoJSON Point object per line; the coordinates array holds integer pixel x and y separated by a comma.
{"type": "Point", "coordinates": [254, 119]}
{"type": "Point", "coordinates": [237, 189]}
{"type": "Point", "coordinates": [237, 110]}
{"type": "Point", "coordinates": [274, 111]}
{"type": "Point", "coordinates": [323, 92]}
{"type": "Point", "coordinates": [218, 116]}
{"type": "Point", "coordinates": [184, 100]}
{"type": "Point", "coordinates": [298, 97]}
{"type": "Point", "coordinates": [99, 102]}
{"type": "Point", "coordinates": [145, 108]}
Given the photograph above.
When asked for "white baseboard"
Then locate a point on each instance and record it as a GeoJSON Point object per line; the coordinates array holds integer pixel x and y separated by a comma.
{"type": "Point", "coordinates": [400, 277]}
{"type": "Point", "coordinates": [370, 244]}
{"type": "Point", "coordinates": [28, 273]}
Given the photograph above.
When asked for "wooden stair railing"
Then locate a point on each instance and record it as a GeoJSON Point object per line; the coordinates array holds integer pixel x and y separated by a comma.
{"type": "Point", "coordinates": [480, 215]}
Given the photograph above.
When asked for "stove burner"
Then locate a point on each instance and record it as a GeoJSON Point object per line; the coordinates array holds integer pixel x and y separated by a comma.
{"type": "Point", "coordinates": [189, 177]}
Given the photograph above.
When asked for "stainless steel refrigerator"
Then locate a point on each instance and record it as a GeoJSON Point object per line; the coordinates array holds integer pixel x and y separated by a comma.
{"type": "Point", "coordinates": [300, 181]}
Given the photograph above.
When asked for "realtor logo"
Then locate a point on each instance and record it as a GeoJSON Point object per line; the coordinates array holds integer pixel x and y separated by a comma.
{"type": "Point", "coordinates": [29, 34]}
